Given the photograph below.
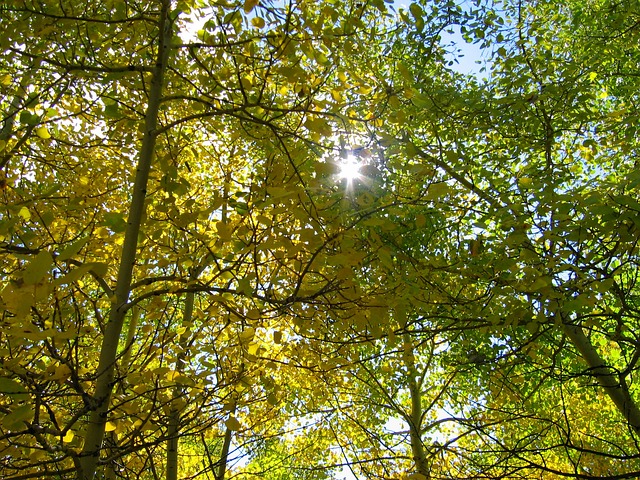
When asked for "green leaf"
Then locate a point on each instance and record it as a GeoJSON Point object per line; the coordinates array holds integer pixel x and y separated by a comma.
{"type": "Point", "coordinates": [38, 268]}
{"type": "Point", "coordinates": [99, 268]}
{"type": "Point", "coordinates": [16, 418]}
{"type": "Point", "coordinates": [232, 423]}
{"type": "Point", "coordinates": [115, 221]}
{"type": "Point", "coordinates": [13, 389]}
{"type": "Point", "coordinates": [74, 274]}
{"type": "Point", "coordinates": [73, 249]}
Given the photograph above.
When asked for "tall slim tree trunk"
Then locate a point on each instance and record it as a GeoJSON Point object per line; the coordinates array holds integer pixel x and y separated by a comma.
{"type": "Point", "coordinates": [614, 386]}
{"type": "Point", "coordinates": [94, 434]}
{"type": "Point", "coordinates": [173, 431]}
{"type": "Point", "coordinates": [124, 363]}
{"type": "Point", "coordinates": [415, 419]}
{"type": "Point", "coordinates": [224, 455]}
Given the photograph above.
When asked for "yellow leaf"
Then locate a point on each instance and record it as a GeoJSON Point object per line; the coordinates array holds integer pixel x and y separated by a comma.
{"type": "Point", "coordinates": [437, 190]}
{"type": "Point", "coordinates": [24, 213]}
{"type": "Point", "coordinates": [42, 132]}
{"type": "Point", "coordinates": [525, 182]}
{"type": "Point", "coordinates": [68, 436]}
{"type": "Point", "coordinates": [318, 125]}
{"type": "Point", "coordinates": [61, 373]}
{"type": "Point", "coordinates": [247, 335]}
{"type": "Point", "coordinates": [224, 231]}
{"type": "Point", "coordinates": [5, 80]}
{"type": "Point", "coordinates": [109, 427]}
{"type": "Point", "coordinates": [258, 22]}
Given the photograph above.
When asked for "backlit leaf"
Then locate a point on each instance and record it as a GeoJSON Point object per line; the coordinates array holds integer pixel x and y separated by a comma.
{"type": "Point", "coordinates": [232, 423]}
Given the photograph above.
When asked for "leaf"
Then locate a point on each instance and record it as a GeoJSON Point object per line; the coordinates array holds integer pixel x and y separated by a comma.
{"type": "Point", "coordinates": [247, 335]}
{"type": "Point", "coordinates": [24, 213]}
{"type": "Point", "coordinates": [416, 476]}
{"type": "Point", "coordinates": [72, 249]}
{"type": "Point", "coordinates": [233, 424]}
{"type": "Point", "coordinates": [258, 22]}
{"type": "Point", "coordinates": [68, 437]}
{"type": "Point", "coordinates": [115, 221]}
{"type": "Point", "coordinates": [451, 155]}
{"type": "Point", "coordinates": [42, 132]}
{"type": "Point", "coordinates": [38, 268]}
{"type": "Point", "coordinates": [318, 125]}
{"type": "Point", "coordinates": [99, 268]}
{"type": "Point", "coordinates": [249, 5]}
{"type": "Point", "coordinates": [108, 427]}
{"type": "Point", "coordinates": [15, 419]}
{"type": "Point", "coordinates": [416, 11]}
{"type": "Point", "coordinates": [13, 389]}
{"type": "Point", "coordinates": [525, 182]}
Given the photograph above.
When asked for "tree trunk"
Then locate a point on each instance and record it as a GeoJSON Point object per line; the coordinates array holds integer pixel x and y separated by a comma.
{"type": "Point", "coordinates": [607, 378]}
{"type": "Point", "coordinates": [94, 434]}
{"type": "Point", "coordinates": [224, 455]}
{"type": "Point", "coordinates": [173, 431]}
{"type": "Point", "coordinates": [415, 422]}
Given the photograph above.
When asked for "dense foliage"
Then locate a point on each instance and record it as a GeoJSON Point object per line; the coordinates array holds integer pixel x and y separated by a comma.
{"type": "Point", "coordinates": [191, 289]}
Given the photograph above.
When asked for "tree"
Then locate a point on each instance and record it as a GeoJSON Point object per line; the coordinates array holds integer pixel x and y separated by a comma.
{"type": "Point", "coordinates": [528, 159]}
{"type": "Point", "coordinates": [186, 283]}
{"type": "Point", "coordinates": [217, 134]}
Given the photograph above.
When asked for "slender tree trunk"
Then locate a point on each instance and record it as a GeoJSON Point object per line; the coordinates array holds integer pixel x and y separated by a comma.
{"type": "Point", "coordinates": [174, 415]}
{"type": "Point", "coordinates": [94, 434]}
{"type": "Point", "coordinates": [110, 473]}
{"type": "Point", "coordinates": [415, 421]}
{"type": "Point", "coordinates": [607, 378]}
{"type": "Point", "coordinates": [224, 455]}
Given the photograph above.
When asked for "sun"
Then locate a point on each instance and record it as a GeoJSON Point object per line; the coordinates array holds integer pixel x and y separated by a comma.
{"type": "Point", "coordinates": [349, 169]}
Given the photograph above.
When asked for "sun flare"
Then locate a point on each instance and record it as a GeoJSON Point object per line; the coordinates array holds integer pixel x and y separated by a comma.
{"type": "Point", "coordinates": [350, 169]}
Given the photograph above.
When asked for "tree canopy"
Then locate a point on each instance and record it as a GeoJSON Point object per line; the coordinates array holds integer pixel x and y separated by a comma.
{"type": "Point", "coordinates": [193, 286]}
